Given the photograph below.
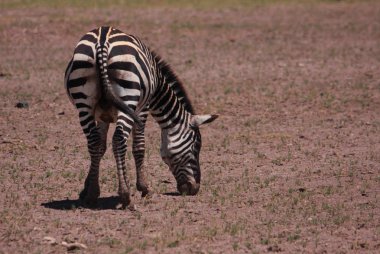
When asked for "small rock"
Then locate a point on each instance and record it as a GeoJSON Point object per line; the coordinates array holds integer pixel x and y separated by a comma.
{"type": "Point", "coordinates": [5, 141]}
{"type": "Point", "coordinates": [61, 113]}
{"type": "Point", "coordinates": [274, 248]}
{"type": "Point", "coordinates": [54, 148]}
{"type": "Point", "coordinates": [73, 246]}
{"type": "Point", "coordinates": [22, 104]}
{"type": "Point", "coordinates": [49, 240]}
{"type": "Point", "coordinates": [361, 225]}
{"type": "Point", "coordinates": [4, 75]}
{"type": "Point", "coordinates": [301, 189]}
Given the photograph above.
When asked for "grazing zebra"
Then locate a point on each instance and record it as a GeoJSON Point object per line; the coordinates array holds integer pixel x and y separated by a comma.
{"type": "Point", "coordinates": [114, 78]}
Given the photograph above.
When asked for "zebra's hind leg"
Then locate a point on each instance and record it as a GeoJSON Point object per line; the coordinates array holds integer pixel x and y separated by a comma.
{"type": "Point", "coordinates": [97, 145]}
{"type": "Point", "coordinates": [119, 145]}
{"type": "Point", "coordinates": [138, 151]}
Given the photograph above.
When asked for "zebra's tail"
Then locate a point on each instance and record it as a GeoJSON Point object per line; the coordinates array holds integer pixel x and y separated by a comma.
{"type": "Point", "coordinates": [107, 89]}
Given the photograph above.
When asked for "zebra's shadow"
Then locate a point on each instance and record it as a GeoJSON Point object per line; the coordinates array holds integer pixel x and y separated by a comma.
{"type": "Point", "coordinates": [104, 203]}
{"type": "Point", "coordinates": [173, 194]}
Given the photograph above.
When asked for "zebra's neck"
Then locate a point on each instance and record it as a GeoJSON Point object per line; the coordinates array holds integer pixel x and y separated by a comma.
{"type": "Point", "coordinates": [168, 108]}
{"type": "Point", "coordinates": [170, 105]}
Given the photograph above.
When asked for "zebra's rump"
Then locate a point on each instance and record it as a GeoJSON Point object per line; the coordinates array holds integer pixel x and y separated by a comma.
{"type": "Point", "coordinates": [126, 69]}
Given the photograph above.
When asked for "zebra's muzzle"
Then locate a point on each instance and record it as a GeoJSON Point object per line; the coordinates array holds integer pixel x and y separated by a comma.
{"type": "Point", "coordinates": [188, 188]}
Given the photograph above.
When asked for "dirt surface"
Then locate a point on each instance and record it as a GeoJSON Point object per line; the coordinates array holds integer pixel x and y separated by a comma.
{"type": "Point", "coordinates": [292, 164]}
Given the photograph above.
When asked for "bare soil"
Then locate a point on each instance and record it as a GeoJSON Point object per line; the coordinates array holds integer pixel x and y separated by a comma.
{"type": "Point", "coordinates": [292, 164]}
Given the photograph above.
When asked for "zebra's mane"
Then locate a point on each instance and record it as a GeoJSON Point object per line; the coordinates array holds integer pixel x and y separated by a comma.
{"type": "Point", "coordinates": [175, 83]}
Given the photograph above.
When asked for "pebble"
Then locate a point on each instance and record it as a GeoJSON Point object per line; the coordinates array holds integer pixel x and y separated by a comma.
{"type": "Point", "coordinates": [22, 104]}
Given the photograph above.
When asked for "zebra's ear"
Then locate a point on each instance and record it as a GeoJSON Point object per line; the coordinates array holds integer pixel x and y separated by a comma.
{"type": "Point", "coordinates": [197, 120]}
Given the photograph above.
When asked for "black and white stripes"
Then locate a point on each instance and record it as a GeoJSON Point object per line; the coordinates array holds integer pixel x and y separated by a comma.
{"type": "Point", "coordinates": [114, 78]}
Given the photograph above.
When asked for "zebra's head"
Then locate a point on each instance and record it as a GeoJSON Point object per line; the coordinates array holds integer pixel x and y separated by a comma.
{"type": "Point", "coordinates": [180, 150]}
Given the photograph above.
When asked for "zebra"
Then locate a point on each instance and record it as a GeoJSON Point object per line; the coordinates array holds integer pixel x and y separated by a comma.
{"type": "Point", "coordinates": [113, 77]}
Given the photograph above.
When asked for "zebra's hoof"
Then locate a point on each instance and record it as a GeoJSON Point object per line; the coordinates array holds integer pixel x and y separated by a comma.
{"type": "Point", "coordinates": [147, 194]}
{"type": "Point", "coordinates": [83, 194]}
{"type": "Point", "coordinates": [125, 201]}
{"type": "Point", "coordinates": [188, 189]}
{"type": "Point", "coordinates": [89, 202]}
{"type": "Point", "coordinates": [144, 191]}
{"type": "Point", "coordinates": [88, 197]}
{"type": "Point", "coordinates": [143, 188]}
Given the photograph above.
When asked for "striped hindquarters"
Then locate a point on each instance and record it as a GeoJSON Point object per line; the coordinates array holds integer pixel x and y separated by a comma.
{"type": "Point", "coordinates": [109, 66]}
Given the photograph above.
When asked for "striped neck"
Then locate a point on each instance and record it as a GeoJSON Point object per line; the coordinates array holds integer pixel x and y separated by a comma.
{"type": "Point", "coordinates": [170, 105]}
{"type": "Point", "coordinates": [168, 108]}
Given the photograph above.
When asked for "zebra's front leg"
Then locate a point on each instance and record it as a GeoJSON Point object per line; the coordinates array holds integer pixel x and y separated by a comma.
{"type": "Point", "coordinates": [138, 151]}
{"type": "Point", "coordinates": [97, 145]}
{"type": "Point", "coordinates": [119, 145]}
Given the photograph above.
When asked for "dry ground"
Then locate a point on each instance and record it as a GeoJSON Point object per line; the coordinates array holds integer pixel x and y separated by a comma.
{"type": "Point", "coordinates": [292, 165]}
